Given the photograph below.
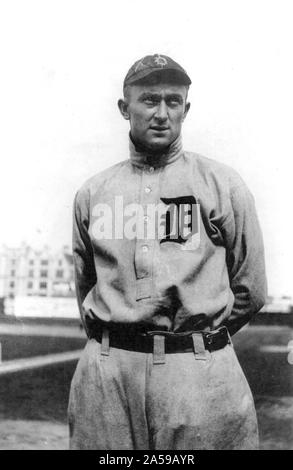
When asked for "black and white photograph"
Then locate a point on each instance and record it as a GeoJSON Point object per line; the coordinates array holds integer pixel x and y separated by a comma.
{"type": "Point", "coordinates": [146, 297]}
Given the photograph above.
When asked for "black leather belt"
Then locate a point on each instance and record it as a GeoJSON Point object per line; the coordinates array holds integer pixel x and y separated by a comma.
{"type": "Point", "coordinates": [174, 342]}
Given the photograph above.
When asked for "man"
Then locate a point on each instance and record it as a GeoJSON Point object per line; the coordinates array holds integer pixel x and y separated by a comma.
{"type": "Point", "coordinates": [169, 260]}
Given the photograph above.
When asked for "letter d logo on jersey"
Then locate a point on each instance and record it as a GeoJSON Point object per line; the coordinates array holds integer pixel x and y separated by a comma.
{"type": "Point", "coordinates": [182, 222]}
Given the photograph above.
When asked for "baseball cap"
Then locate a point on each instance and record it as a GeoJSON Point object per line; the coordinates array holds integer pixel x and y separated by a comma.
{"type": "Point", "coordinates": [158, 64]}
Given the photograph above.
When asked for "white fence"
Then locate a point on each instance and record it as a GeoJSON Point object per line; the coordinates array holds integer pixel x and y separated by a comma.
{"type": "Point", "coordinates": [48, 307]}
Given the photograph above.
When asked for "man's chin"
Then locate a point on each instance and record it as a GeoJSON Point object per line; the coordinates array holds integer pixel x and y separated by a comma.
{"type": "Point", "coordinates": [155, 144]}
{"type": "Point", "coordinates": [158, 144]}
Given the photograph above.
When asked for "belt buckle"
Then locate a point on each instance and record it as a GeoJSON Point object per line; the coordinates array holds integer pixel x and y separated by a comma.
{"type": "Point", "coordinates": [220, 332]}
{"type": "Point", "coordinates": [209, 338]}
{"type": "Point", "coordinates": [223, 331]}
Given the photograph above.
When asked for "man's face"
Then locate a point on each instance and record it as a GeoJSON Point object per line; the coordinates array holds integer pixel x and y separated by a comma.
{"type": "Point", "coordinates": [156, 113]}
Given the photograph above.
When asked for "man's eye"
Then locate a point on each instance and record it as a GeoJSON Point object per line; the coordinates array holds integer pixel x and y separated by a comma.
{"type": "Point", "coordinates": [173, 102]}
{"type": "Point", "coordinates": [150, 101]}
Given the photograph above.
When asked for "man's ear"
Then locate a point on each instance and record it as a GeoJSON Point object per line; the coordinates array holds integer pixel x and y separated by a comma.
{"type": "Point", "coordinates": [123, 108]}
{"type": "Point", "coordinates": [187, 108]}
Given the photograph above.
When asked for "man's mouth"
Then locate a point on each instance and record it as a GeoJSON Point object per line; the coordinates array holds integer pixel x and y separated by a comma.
{"type": "Point", "coordinates": [159, 128]}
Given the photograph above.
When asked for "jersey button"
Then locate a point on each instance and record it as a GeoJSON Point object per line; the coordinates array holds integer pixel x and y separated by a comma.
{"type": "Point", "coordinates": [145, 218]}
{"type": "Point", "coordinates": [151, 169]}
{"type": "Point", "coordinates": [145, 248]}
{"type": "Point", "coordinates": [147, 189]}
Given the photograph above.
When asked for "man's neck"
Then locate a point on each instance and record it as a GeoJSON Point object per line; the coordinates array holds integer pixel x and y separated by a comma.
{"type": "Point", "coordinates": [141, 156]}
{"type": "Point", "coordinates": [140, 147]}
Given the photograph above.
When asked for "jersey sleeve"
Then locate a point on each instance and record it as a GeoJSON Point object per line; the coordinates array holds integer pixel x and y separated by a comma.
{"type": "Point", "coordinates": [83, 258]}
{"type": "Point", "coordinates": [245, 258]}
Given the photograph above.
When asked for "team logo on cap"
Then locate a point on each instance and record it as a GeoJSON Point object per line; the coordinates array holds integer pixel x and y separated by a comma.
{"type": "Point", "coordinates": [159, 60]}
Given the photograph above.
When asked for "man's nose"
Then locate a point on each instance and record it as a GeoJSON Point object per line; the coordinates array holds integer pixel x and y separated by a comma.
{"type": "Point", "coordinates": [161, 112]}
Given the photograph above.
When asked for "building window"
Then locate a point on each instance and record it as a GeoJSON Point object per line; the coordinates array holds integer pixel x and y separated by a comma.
{"type": "Point", "coordinates": [30, 285]}
{"type": "Point", "coordinates": [60, 262]}
{"type": "Point", "coordinates": [31, 262]}
{"type": "Point", "coordinates": [44, 262]}
{"type": "Point", "coordinates": [31, 273]}
{"type": "Point", "coordinates": [44, 273]}
{"type": "Point", "coordinates": [59, 273]}
{"type": "Point", "coordinates": [12, 272]}
{"type": "Point", "coordinates": [11, 284]}
{"type": "Point", "coordinates": [13, 262]}
{"type": "Point", "coordinates": [43, 285]}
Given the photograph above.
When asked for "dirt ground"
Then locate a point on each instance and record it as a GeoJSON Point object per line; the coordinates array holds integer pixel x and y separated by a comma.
{"type": "Point", "coordinates": [33, 435]}
{"type": "Point", "coordinates": [33, 403]}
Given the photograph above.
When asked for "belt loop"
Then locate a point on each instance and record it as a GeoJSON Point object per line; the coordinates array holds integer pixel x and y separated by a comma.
{"type": "Point", "coordinates": [159, 349]}
{"type": "Point", "coordinates": [105, 344]}
{"type": "Point", "coordinates": [199, 347]}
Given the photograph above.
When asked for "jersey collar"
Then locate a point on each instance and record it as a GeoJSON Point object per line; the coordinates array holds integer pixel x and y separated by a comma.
{"type": "Point", "coordinates": [141, 157]}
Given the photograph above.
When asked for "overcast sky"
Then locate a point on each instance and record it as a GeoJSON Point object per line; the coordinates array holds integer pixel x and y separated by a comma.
{"type": "Point", "coordinates": [62, 66]}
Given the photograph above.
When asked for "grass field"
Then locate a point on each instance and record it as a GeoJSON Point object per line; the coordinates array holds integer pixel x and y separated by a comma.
{"type": "Point", "coordinates": [271, 380]}
{"type": "Point", "coordinates": [17, 346]}
{"type": "Point", "coordinates": [33, 403]}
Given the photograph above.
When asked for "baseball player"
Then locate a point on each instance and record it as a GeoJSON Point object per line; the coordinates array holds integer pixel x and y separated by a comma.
{"type": "Point", "coordinates": [169, 264]}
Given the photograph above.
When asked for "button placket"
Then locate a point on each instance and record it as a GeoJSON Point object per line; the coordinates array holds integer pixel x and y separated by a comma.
{"type": "Point", "coordinates": [144, 247]}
